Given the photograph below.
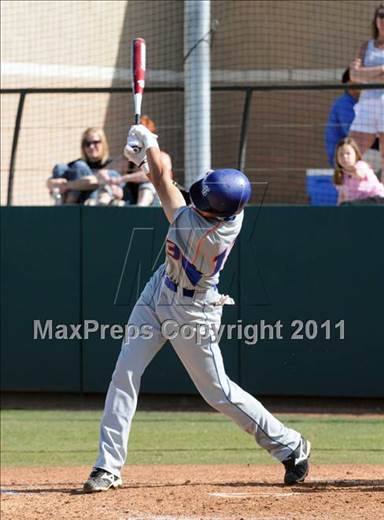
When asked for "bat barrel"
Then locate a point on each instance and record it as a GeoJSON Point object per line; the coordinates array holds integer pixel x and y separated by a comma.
{"type": "Point", "coordinates": [138, 75]}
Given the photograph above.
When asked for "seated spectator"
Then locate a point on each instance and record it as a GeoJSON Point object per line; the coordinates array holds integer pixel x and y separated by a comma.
{"type": "Point", "coordinates": [137, 188]}
{"type": "Point", "coordinates": [84, 180]}
{"type": "Point", "coordinates": [96, 179]}
{"type": "Point", "coordinates": [339, 122]}
{"type": "Point", "coordinates": [354, 179]}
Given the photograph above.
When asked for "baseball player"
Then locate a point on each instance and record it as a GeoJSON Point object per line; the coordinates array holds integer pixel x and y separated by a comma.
{"type": "Point", "coordinates": [183, 293]}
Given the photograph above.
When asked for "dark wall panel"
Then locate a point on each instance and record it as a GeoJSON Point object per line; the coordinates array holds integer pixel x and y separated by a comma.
{"type": "Point", "coordinates": [122, 249]}
{"type": "Point", "coordinates": [314, 264]}
{"type": "Point", "coordinates": [318, 266]}
{"type": "Point", "coordinates": [40, 280]}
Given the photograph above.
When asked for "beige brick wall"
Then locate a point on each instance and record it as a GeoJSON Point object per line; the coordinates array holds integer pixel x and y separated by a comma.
{"type": "Point", "coordinates": [281, 34]}
{"type": "Point", "coordinates": [87, 43]}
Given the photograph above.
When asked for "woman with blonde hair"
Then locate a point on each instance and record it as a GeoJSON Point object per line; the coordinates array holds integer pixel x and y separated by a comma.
{"type": "Point", "coordinates": [354, 179]}
{"type": "Point", "coordinates": [84, 180]}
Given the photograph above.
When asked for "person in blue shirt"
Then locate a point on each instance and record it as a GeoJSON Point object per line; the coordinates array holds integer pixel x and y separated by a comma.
{"type": "Point", "coordinates": [340, 117]}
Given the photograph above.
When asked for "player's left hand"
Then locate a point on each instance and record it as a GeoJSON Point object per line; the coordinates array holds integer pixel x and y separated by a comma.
{"type": "Point", "coordinates": [135, 150]}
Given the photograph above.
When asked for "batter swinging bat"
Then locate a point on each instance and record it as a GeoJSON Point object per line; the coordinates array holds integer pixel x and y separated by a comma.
{"type": "Point", "coordinates": [138, 75]}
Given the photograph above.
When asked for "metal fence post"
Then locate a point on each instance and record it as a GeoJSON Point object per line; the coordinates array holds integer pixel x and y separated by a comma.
{"type": "Point", "coordinates": [16, 133]}
{"type": "Point", "coordinates": [244, 130]}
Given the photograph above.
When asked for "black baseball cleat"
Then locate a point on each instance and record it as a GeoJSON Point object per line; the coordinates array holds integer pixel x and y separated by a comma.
{"type": "Point", "coordinates": [297, 464]}
{"type": "Point", "coordinates": [101, 480]}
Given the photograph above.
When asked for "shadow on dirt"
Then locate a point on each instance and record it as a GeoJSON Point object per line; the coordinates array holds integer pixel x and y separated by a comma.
{"type": "Point", "coordinates": [353, 485]}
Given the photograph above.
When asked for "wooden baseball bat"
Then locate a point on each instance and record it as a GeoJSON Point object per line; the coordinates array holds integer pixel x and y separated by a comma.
{"type": "Point", "coordinates": [138, 75]}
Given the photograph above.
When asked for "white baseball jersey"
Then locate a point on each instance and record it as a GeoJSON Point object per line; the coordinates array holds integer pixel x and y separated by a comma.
{"type": "Point", "coordinates": [197, 247]}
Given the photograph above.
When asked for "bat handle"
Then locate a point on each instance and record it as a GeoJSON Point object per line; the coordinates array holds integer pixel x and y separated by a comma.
{"type": "Point", "coordinates": [137, 119]}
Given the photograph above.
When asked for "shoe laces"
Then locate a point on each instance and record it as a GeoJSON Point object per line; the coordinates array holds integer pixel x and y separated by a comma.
{"type": "Point", "coordinates": [97, 472]}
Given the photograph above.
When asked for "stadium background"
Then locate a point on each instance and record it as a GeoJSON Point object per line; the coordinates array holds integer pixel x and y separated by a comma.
{"type": "Point", "coordinates": [291, 262]}
{"type": "Point", "coordinates": [87, 44]}
{"type": "Point", "coordinates": [291, 259]}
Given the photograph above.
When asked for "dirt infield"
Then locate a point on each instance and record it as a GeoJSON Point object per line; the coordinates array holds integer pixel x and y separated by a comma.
{"type": "Point", "coordinates": [235, 492]}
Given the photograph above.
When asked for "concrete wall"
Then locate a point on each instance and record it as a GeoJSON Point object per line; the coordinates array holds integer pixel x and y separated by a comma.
{"type": "Point", "coordinates": [87, 43]}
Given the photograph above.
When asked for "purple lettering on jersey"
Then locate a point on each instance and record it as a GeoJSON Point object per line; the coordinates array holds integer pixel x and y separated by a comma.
{"type": "Point", "coordinates": [193, 274]}
{"type": "Point", "coordinates": [172, 250]}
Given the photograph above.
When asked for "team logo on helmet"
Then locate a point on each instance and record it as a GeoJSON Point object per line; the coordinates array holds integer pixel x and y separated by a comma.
{"type": "Point", "coordinates": [205, 189]}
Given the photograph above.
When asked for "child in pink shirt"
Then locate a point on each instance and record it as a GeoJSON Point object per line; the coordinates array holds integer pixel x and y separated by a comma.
{"type": "Point", "coordinates": [354, 178]}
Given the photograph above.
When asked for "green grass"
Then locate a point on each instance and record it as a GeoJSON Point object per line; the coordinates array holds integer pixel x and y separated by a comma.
{"type": "Point", "coordinates": [64, 438]}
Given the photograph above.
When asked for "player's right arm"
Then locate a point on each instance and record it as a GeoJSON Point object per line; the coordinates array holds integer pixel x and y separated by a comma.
{"type": "Point", "coordinates": [160, 174]}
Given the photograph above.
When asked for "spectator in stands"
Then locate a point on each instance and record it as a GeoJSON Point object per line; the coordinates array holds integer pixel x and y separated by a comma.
{"type": "Point", "coordinates": [339, 122]}
{"type": "Point", "coordinates": [84, 180]}
{"type": "Point", "coordinates": [354, 179]}
{"type": "Point", "coordinates": [96, 179]}
{"type": "Point", "coordinates": [368, 67]}
{"type": "Point", "coordinates": [340, 117]}
{"type": "Point", "coordinates": [137, 189]}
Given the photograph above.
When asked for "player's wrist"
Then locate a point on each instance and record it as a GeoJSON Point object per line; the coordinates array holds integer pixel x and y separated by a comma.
{"type": "Point", "coordinates": [150, 141]}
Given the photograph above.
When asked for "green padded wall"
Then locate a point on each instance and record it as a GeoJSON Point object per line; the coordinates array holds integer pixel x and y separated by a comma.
{"type": "Point", "coordinates": [315, 264]}
{"type": "Point", "coordinates": [72, 264]}
{"type": "Point", "coordinates": [40, 279]}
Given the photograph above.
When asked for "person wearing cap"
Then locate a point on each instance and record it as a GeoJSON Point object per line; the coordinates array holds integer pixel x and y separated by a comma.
{"type": "Point", "coordinates": [181, 302]}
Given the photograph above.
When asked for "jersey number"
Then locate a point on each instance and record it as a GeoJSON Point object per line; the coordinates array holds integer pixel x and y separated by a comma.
{"type": "Point", "coordinates": [193, 274]}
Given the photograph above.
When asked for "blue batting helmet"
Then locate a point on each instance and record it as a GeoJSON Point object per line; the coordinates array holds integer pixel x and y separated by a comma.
{"type": "Point", "coordinates": [221, 192]}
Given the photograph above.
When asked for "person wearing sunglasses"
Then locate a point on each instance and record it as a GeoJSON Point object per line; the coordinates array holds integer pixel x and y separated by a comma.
{"type": "Point", "coordinates": [368, 67]}
{"type": "Point", "coordinates": [86, 180]}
